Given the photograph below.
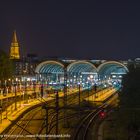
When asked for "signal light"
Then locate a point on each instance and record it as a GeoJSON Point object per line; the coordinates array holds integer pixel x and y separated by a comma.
{"type": "Point", "coordinates": [102, 114]}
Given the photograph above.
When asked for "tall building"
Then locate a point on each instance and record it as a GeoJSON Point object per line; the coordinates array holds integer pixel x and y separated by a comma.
{"type": "Point", "coordinates": [14, 49]}
{"type": "Point", "coordinates": [15, 54]}
{"type": "Point", "coordinates": [23, 65]}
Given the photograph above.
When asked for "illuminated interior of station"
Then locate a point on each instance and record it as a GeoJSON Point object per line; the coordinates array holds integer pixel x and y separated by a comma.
{"type": "Point", "coordinates": [111, 72]}
{"type": "Point", "coordinates": [84, 73]}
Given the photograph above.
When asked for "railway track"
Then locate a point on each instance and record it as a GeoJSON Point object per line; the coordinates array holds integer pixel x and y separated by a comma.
{"type": "Point", "coordinates": [21, 129]}
{"type": "Point", "coordinates": [17, 131]}
{"type": "Point", "coordinates": [83, 128]}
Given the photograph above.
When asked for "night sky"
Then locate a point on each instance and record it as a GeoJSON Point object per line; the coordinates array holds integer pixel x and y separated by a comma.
{"type": "Point", "coordinates": [89, 29]}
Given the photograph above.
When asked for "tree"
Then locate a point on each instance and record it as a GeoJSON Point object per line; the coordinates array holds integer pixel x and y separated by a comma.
{"type": "Point", "coordinates": [6, 67]}
{"type": "Point", "coordinates": [129, 112]}
{"type": "Point", "coordinates": [130, 95]}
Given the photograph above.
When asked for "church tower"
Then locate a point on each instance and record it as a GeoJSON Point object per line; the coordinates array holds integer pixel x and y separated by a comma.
{"type": "Point", "coordinates": [14, 49]}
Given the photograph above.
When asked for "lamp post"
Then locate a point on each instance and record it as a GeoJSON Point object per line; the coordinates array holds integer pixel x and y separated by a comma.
{"type": "Point", "coordinates": [15, 94]}
{"type": "Point", "coordinates": [9, 85]}
{"type": "Point", "coordinates": [95, 89]}
{"type": "Point", "coordinates": [34, 88]}
{"type": "Point", "coordinates": [88, 91]}
{"type": "Point", "coordinates": [42, 90]}
{"type": "Point", "coordinates": [65, 95]}
{"type": "Point", "coordinates": [25, 91]}
{"type": "Point", "coordinates": [0, 85]}
{"type": "Point", "coordinates": [12, 86]}
{"type": "Point", "coordinates": [0, 103]}
{"type": "Point", "coordinates": [5, 88]}
{"type": "Point", "coordinates": [88, 82]}
{"type": "Point", "coordinates": [1, 111]}
{"type": "Point", "coordinates": [79, 92]}
{"type": "Point", "coordinates": [57, 111]}
{"type": "Point", "coordinates": [19, 85]}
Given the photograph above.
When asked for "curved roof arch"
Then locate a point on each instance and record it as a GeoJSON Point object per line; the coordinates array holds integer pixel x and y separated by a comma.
{"type": "Point", "coordinates": [81, 66]}
{"type": "Point", "coordinates": [111, 66]}
{"type": "Point", "coordinates": [49, 67]}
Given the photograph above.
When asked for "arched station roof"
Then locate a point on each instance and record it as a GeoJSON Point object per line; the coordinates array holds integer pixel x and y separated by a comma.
{"type": "Point", "coordinates": [109, 67]}
{"type": "Point", "coordinates": [50, 67]}
{"type": "Point", "coordinates": [81, 66]}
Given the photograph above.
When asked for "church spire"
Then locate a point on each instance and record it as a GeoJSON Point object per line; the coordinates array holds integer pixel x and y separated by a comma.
{"type": "Point", "coordinates": [15, 37]}
{"type": "Point", "coordinates": [14, 49]}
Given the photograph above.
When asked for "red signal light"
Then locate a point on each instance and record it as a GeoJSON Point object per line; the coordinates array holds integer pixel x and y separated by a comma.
{"type": "Point", "coordinates": [102, 114]}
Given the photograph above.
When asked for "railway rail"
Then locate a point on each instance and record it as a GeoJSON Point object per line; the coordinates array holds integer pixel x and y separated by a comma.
{"type": "Point", "coordinates": [83, 128]}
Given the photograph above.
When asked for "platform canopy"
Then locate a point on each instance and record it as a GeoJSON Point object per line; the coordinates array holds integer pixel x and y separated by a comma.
{"type": "Point", "coordinates": [112, 67]}
{"type": "Point", "coordinates": [81, 67]}
{"type": "Point", "coordinates": [50, 67]}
